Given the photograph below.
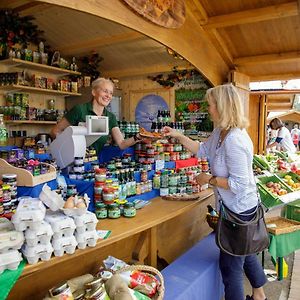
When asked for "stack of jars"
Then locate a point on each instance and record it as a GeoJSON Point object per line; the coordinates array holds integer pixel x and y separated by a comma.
{"type": "Point", "coordinates": [8, 194]}
{"type": "Point", "coordinates": [182, 182]}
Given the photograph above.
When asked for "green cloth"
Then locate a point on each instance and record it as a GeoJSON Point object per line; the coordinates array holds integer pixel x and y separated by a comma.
{"type": "Point", "coordinates": [284, 244]}
{"type": "Point", "coordinates": [78, 113]}
{"type": "Point", "coordinates": [8, 279]}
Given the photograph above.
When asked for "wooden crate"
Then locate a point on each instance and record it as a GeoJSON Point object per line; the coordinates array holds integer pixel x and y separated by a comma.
{"type": "Point", "coordinates": [283, 225]}
{"type": "Point", "coordinates": [24, 177]}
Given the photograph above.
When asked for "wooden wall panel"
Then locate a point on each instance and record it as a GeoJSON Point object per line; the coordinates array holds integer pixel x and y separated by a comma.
{"type": "Point", "coordinates": [133, 89]}
{"type": "Point", "coordinates": [253, 115]}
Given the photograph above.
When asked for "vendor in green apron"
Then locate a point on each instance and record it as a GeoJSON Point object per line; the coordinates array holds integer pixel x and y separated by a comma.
{"type": "Point", "coordinates": [102, 91]}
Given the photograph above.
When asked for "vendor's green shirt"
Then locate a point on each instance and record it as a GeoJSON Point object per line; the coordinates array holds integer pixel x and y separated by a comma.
{"type": "Point", "coordinates": [79, 112]}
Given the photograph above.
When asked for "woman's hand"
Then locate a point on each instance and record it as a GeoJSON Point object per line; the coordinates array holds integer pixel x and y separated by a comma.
{"type": "Point", "coordinates": [168, 131]}
{"type": "Point", "coordinates": [203, 178]}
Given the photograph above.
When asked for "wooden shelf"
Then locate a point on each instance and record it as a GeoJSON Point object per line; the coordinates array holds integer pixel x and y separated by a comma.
{"type": "Point", "coordinates": [16, 122]}
{"type": "Point", "coordinates": [14, 87]}
{"type": "Point", "coordinates": [15, 62]}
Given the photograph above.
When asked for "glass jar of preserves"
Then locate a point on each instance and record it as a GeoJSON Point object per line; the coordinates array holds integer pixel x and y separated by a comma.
{"type": "Point", "coordinates": [63, 291]}
{"type": "Point", "coordinates": [114, 211]}
{"type": "Point", "coordinates": [189, 189]}
{"type": "Point", "coordinates": [164, 179]}
{"type": "Point", "coordinates": [100, 175]}
{"type": "Point", "coordinates": [129, 210]}
{"type": "Point", "coordinates": [164, 191]}
{"type": "Point", "coordinates": [161, 156]}
{"type": "Point", "coordinates": [172, 190]}
{"type": "Point", "coordinates": [181, 189]}
{"type": "Point", "coordinates": [172, 180]}
{"type": "Point", "coordinates": [98, 188]}
{"type": "Point", "coordinates": [167, 156]}
{"type": "Point", "coordinates": [156, 181]}
{"type": "Point", "coordinates": [173, 156]}
{"type": "Point", "coordinates": [169, 148]}
{"type": "Point", "coordinates": [150, 150]}
{"type": "Point", "coordinates": [101, 210]}
{"type": "Point", "coordinates": [144, 175]}
{"type": "Point", "coordinates": [108, 195]}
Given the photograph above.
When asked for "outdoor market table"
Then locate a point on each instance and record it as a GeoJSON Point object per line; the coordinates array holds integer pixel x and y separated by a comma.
{"type": "Point", "coordinates": [282, 245]}
{"type": "Point", "coordinates": [159, 228]}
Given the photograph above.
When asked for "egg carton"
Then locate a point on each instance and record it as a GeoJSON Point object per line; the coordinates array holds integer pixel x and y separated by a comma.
{"type": "Point", "coordinates": [65, 244]}
{"type": "Point", "coordinates": [29, 214]}
{"type": "Point", "coordinates": [10, 260]}
{"type": "Point", "coordinates": [40, 251]}
{"type": "Point", "coordinates": [62, 225]}
{"type": "Point", "coordinates": [11, 240]}
{"type": "Point", "coordinates": [86, 222]}
{"type": "Point", "coordinates": [42, 235]}
{"type": "Point", "coordinates": [51, 199]}
{"type": "Point", "coordinates": [6, 225]}
{"type": "Point", "coordinates": [76, 206]}
{"type": "Point", "coordinates": [88, 238]}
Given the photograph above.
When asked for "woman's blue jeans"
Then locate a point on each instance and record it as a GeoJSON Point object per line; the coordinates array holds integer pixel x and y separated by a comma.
{"type": "Point", "coordinates": [233, 268]}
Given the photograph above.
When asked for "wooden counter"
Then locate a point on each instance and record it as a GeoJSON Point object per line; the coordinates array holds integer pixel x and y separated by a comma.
{"type": "Point", "coordinates": [163, 228]}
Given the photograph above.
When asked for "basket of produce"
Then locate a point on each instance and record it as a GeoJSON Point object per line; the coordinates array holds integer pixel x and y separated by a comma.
{"type": "Point", "coordinates": [150, 281]}
{"type": "Point", "coordinates": [261, 162]}
{"type": "Point", "coordinates": [279, 225]}
{"type": "Point", "coordinates": [291, 179]}
{"type": "Point", "coordinates": [212, 221]}
{"type": "Point", "coordinates": [268, 199]}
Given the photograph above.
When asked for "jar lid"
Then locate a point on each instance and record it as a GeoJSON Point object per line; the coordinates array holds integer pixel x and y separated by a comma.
{"type": "Point", "coordinates": [78, 157]}
{"type": "Point", "coordinates": [9, 176]}
{"type": "Point", "coordinates": [100, 205]}
{"type": "Point", "coordinates": [113, 205]}
{"type": "Point", "coordinates": [100, 170]}
{"type": "Point", "coordinates": [129, 204]}
{"type": "Point", "coordinates": [107, 190]}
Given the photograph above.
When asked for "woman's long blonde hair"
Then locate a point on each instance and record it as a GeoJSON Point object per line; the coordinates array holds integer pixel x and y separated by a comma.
{"type": "Point", "coordinates": [229, 106]}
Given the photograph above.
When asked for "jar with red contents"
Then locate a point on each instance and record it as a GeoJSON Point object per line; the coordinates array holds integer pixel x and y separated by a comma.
{"type": "Point", "coordinates": [150, 158]}
{"type": "Point", "coordinates": [108, 195]}
{"type": "Point", "coordinates": [173, 156]}
{"type": "Point", "coordinates": [190, 175]}
{"type": "Point", "coordinates": [100, 175]}
{"type": "Point", "coordinates": [142, 158]}
{"type": "Point", "coordinates": [150, 150]}
{"type": "Point", "coordinates": [144, 176]}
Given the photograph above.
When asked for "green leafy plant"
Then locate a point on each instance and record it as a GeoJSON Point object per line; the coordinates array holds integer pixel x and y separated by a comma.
{"type": "Point", "coordinates": [171, 79]}
{"type": "Point", "coordinates": [89, 65]}
{"type": "Point", "coordinates": [18, 30]}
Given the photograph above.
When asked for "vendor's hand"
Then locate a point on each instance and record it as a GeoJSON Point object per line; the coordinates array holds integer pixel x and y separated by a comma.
{"type": "Point", "coordinates": [202, 178]}
{"type": "Point", "coordinates": [168, 131]}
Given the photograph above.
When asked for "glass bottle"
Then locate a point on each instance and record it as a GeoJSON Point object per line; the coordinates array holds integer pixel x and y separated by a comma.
{"type": "Point", "coordinates": [3, 132]}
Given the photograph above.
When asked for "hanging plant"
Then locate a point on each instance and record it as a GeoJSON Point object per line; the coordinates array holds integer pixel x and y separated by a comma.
{"type": "Point", "coordinates": [89, 65]}
{"type": "Point", "coordinates": [18, 30]}
{"type": "Point", "coordinates": [176, 76]}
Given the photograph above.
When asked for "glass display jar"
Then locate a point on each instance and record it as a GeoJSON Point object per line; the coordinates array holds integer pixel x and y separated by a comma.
{"type": "Point", "coordinates": [100, 175]}
{"type": "Point", "coordinates": [101, 210]}
{"type": "Point", "coordinates": [129, 210]}
{"type": "Point", "coordinates": [167, 156]}
{"type": "Point", "coordinates": [108, 195]}
{"type": "Point", "coordinates": [114, 211]}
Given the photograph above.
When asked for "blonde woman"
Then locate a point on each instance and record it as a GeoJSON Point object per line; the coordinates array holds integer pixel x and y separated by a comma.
{"type": "Point", "coordinates": [102, 92]}
{"type": "Point", "coordinates": [230, 153]}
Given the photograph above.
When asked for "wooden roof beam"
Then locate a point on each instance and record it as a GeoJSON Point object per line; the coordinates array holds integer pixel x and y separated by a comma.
{"type": "Point", "coordinates": [267, 58]}
{"type": "Point", "coordinates": [198, 11]}
{"type": "Point", "coordinates": [157, 69]}
{"type": "Point", "coordinates": [253, 15]}
{"type": "Point", "coordinates": [101, 42]}
{"type": "Point", "coordinates": [269, 77]}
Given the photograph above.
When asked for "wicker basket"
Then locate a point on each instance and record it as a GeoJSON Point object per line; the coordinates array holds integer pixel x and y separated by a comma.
{"type": "Point", "coordinates": [212, 221]}
{"type": "Point", "coordinates": [152, 272]}
{"type": "Point", "coordinates": [282, 225]}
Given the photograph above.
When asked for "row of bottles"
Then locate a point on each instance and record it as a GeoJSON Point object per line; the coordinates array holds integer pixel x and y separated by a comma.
{"type": "Point", "coordinates": [158, 126]}
{"type": "Point", "coordinates": [3, 132]}
{"type": "Point", "coordinates": [129, 129]}
{"type": "Point", "coordinates": [127, 183]}
{"type": "Point", "coordinates": [163, 116]}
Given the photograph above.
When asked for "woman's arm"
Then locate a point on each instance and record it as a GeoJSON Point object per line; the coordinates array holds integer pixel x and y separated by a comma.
{"type": "Point", "coordinates": [120, 141]}
{"type": "Point", "coordinates": [188, 143]}
{"type": "Point", "coordinates": [59, 127]}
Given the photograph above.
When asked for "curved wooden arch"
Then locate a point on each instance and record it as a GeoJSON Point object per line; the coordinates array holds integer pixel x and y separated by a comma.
{"type": "Point", "coordinates": [189, 40]}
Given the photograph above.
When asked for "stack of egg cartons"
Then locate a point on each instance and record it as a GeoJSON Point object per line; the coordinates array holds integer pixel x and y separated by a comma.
{"type": "Point", "coordinates": [63, 227]}
{"type": "Point", "coordinates": [10, 242]}
{"type": "Point", "coordinates": [29, 217]}
{"type": "Point", "coordinates": [86, 234]}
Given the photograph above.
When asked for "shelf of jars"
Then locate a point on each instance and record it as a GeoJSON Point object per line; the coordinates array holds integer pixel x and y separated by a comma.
{"type": "Point", "coordinates": [15, 62]}
{"type": "Point", "coordinates": [17, 87]}
{"type": "Point", "coordinates": [17, 122]}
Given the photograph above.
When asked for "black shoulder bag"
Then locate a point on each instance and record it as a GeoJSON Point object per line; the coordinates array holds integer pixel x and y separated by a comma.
{"type": "Point", "coordinates": [237, 237]}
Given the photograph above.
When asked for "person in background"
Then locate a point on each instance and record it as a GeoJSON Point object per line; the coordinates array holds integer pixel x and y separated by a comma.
{"type": "Point", "coordinates": [295, 132]}
{"type": "Point", "coordinates": [102, 92]}
{"type": "Point", "coordinates": [283, 139]}
{"type": "Point", "coordinates": [230, 153]}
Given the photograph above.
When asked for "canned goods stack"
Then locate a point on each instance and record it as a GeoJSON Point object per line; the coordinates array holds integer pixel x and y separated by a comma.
{"type": "Point", "coordinates": [9, 194]}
